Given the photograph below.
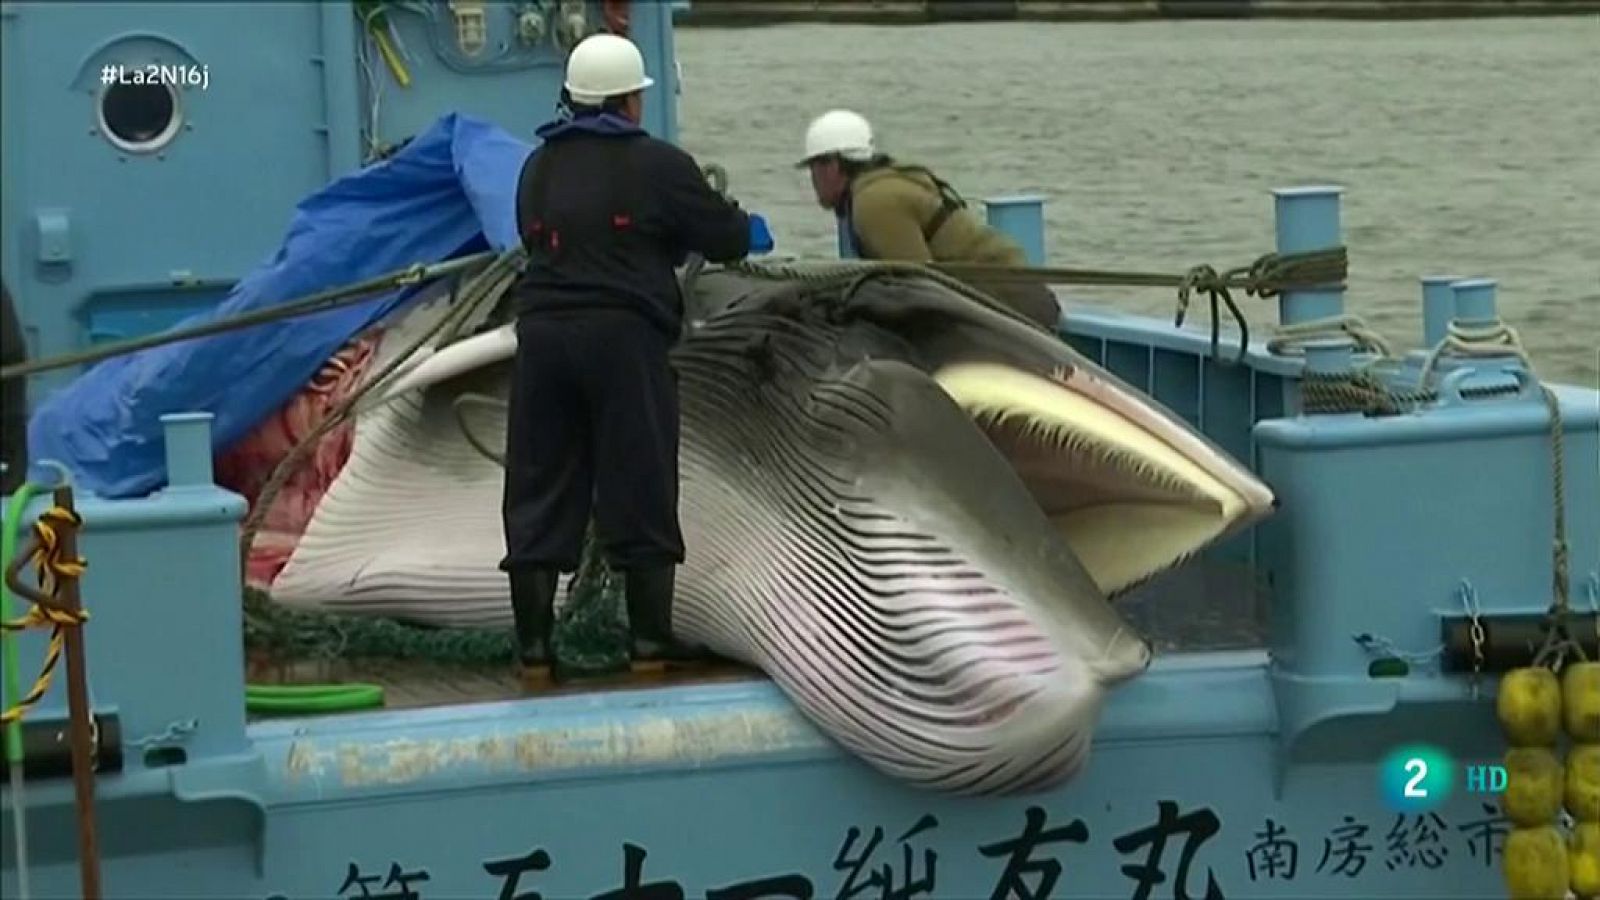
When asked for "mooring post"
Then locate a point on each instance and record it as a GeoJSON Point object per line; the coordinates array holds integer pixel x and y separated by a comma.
{"type": "Point", "coordinates": [188, 448]}
{"type": "Point", "coordinates": [1022, 219]}
{"type": "Point", "coordinates": [1438, 308]}
{"type": "Point", "coordinates": [1478, 319]}
{"type": "Point", "coordinates": [1474, 302]}
{"type": "Point", "coordinates": [1307, 219]}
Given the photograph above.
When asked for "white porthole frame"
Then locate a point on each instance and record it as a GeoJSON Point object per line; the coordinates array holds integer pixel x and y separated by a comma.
{"type": "Point", "coordinates": [143, 148]}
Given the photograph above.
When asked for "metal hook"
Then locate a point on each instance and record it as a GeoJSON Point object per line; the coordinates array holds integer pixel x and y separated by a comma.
{"type": "Point", "coordinates": [64, 474]}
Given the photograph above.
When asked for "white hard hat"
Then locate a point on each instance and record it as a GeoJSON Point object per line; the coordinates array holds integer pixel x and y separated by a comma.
{"type": "Point", "coordinates": [605, 65]}
{"type": "Point", "coordinates": [842, 133]}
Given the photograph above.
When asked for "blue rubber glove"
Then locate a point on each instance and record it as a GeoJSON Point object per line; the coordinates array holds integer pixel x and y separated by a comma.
{"type": "Point", "coordinates": [760, 237]}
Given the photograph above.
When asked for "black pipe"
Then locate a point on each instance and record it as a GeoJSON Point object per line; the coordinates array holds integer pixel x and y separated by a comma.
{"type": "Point", "coordinates": [47, 753]}
{"type": "Point", "coordinates": [1510, 641]}
{"type": "Point", "coordinates": [14, 425]}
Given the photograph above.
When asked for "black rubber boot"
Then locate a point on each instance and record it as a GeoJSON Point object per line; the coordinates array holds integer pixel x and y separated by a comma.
{"type": "Point", "coordinates": [650, 594]}
{"type": "Point", "coordinates": [533, 605]}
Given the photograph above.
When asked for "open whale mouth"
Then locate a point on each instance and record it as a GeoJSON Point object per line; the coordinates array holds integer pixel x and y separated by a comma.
{"type": "Point", "coordinates": [1132, 492]}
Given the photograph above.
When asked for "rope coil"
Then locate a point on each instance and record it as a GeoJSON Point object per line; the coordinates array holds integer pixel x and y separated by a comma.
{"type": "Point", "coordinates": [1489, 340]}
{"type": "Point", "coordinates": [52, 568]}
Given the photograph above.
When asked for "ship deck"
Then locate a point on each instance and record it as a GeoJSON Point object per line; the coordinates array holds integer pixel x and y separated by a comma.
{"type": "Point", "coordinates": [1205, 606]}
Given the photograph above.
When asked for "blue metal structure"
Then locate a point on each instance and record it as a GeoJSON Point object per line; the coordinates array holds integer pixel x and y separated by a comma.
{"type": "Point", "coordinates": [112, 223]}
{"type": "Point", "coordinates": [1247, 773]}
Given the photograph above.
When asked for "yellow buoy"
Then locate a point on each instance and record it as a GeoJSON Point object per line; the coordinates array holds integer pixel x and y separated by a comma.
{"type": "Point", "coordinates": [1529, 707]}
{"type": "Point", "coordinates": [1535, 864]}
{"type": "Point", "coordinates": [1534, 780]}
{"type": "Point", "coordinates": [1580, 688]}
{"type": "Point", "coordinates": [1584, 853]}
{"type": "Point", "coordinates": [1583, 782]}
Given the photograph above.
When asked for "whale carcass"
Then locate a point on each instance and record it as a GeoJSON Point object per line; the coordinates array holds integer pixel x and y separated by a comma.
{"type": "Point", "coordinates": [906, 505]}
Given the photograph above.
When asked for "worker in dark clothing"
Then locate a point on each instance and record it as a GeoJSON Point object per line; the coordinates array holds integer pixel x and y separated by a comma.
{"type": "Point", "coordinates": [606, 213]}
{"type": "Point", "coordinates": [902, 212]}
{"type": "Point", "coordinates": [14, 430]}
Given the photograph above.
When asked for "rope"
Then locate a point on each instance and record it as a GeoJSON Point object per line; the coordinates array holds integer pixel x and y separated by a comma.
{"type": "Point", "coordinates": [290, 633]}
{"type": "Point", "coordinates": [1558, 641]}
{"type": "Point", "coordinates": [53, 568]}
{"type": "Point", "coordinates": [1358, 391]}
{"type": "Point", "coordinates": [1291, 339]}
{"type": "Point", "coordinates": [460, 406]}
{"type": "Point", "coordinates": [305, 306]}
{"type": "Point", "coordinates": [1477, 341]}
{"type": "Point", "coordinates": [487, 286]}
{"type": "Point", "coordinates": [1497, 339]}
{"type": "Point", "coordinates": [1267, 277]}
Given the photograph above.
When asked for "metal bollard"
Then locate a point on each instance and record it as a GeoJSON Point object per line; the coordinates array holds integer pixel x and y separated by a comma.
{"type": "Point", "coordinates": [1022, 219]}
{"type": "Point", "coordinates": [1438, 308]}
{"type": "Point", "coordinates": [1307, 219]}
{"type": "Point", "coordinates": [188, 448]}
{"type": "Point", "coordinates": [1475, 301]}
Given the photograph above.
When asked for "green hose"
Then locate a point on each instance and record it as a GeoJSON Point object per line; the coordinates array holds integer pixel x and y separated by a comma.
{"type": "Point", "coordinates": [267, 699]}
{"type": "Point", "coordinates": [306, 699]}
{"type": "Point", "coordinates": [8, 648]}
{"type": "Point", "coordinates": [8, 549]}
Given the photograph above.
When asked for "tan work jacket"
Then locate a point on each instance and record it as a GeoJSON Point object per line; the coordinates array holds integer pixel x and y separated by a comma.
{"type": "Point", "coordinates": [902, 213]}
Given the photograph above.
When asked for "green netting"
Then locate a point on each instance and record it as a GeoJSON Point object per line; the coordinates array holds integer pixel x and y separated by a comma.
{"type": "Point", "coordinates": [591, 633]}
{"type": "Point", "coordinates": [592, 628]}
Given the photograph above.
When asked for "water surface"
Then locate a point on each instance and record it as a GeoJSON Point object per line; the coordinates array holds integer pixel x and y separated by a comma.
{"type": "Point", "coordinates": [1467, 148]}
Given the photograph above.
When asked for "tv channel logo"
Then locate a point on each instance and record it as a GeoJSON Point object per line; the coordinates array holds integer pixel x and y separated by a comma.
{"type": "Point", "coordinates": [1418, 778]}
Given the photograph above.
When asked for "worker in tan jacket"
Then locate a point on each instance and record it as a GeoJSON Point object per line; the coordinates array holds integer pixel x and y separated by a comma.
{"type": "Point", "coordinates": [906, 213]}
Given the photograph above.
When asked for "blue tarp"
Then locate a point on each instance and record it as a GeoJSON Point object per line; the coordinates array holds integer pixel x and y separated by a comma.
{"type": "Point", "coordinates": [449, 192]}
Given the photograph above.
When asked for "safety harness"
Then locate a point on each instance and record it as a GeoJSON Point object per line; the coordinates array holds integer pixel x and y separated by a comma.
{"type": "Point", "coordinates": [950, 201]}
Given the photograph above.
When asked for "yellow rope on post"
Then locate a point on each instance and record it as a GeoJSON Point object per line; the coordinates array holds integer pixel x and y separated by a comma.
{"type": "Point", "coordinates": [52, 567]}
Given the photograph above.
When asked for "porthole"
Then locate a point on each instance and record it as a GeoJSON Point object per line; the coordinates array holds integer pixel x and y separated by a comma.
{"type": "Point", "coordinates": [140, 118]}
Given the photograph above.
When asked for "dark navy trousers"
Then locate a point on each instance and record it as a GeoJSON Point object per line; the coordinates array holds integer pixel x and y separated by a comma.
{"type": "Point", "coordinates": [592, 428]}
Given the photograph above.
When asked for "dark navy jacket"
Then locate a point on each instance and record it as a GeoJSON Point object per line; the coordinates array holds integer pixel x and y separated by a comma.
{"type": "Point", "coordinates": [607, 213]}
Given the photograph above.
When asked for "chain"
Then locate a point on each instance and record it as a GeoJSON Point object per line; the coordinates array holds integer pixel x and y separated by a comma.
{"type": "Point", "coordinates": [1378, 645]}
{"type": "Point", "coordinates": [1592, 588]}
{"type": "Point", "coordinates": [1469, 602]}
{"type": "Point", "coordinates": [176, 732]}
